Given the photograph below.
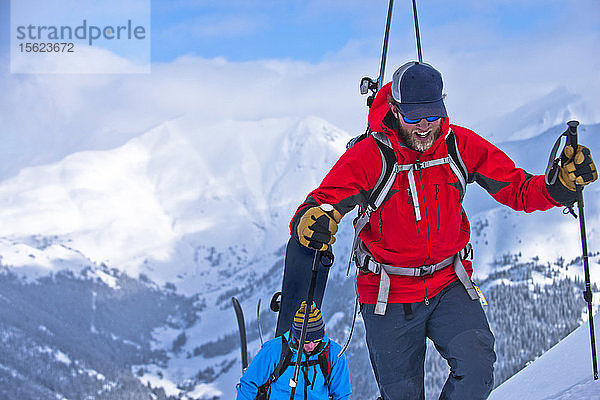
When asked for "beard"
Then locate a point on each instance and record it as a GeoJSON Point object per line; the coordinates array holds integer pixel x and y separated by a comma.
{"type": "Point", "coordinates": [417, 142]}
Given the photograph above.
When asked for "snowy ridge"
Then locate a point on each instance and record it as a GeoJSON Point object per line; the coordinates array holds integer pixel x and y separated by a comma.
{"type": "Point", "coordinates": [562, 373]}
{"type": "Point", "coordinates": [529, 120]}
{"type": "Point", "coordinates": [152, 201]}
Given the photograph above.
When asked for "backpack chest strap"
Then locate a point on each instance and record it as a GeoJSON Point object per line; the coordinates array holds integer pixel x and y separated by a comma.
{"type": "Point", "coordinates": [412, 171]}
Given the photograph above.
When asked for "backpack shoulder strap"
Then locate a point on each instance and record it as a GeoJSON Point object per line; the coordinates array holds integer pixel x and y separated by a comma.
{"type": "Point", "coordinates": [388, 170]}
{"type": "Point", "coordinates": [325, 362]}
{"type": "Point", "coordinates": [456, 163]}
{"type": "Point", "coordinates": [284, 360]}
{"type": "Point", "coordinates": [388, 161]}
{"type": "Point", "coordinates": [378, 194]}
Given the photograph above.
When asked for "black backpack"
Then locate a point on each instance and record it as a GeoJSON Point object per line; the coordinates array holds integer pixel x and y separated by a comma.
{"type": "Point", "coordinates": [285, 361]}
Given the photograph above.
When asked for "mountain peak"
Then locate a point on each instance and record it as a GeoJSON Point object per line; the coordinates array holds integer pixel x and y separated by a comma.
{"type": "Point", "coordinates": [556, 107]}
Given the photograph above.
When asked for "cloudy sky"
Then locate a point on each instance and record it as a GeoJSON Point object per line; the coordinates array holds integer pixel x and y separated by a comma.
{"type": "Point", "coordinates": [241, 60]}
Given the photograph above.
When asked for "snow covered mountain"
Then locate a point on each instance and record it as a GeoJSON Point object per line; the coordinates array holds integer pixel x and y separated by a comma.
{"type": "Point", "coordinates": [155, 199]}
{"type": "Point", "coordinates": [185, 216]}
{"type": "Point", "coordinates": [563, 373]}
{"type": "Point", "coordinates": [202, 212]}
{"type": "Point", "coordinates": [538, 116]}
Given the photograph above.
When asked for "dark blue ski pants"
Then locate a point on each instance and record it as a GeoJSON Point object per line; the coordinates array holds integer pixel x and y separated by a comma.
{"type": "Point", "coordinates": [459, 329]}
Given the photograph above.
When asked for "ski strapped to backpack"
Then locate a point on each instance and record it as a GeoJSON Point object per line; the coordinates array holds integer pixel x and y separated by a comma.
{"type": "Point", "coordinates": [239, 315]}
{"type": "Point", "coordinates": [379, 194]}
{"type": "Point", "coordinates": [285, 361]}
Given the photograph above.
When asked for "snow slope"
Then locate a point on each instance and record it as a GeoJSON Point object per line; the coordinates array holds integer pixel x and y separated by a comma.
{"type": "Point", "coordinates": [145, 207]}
{"type": "Point", "coordinates": [562, 373]}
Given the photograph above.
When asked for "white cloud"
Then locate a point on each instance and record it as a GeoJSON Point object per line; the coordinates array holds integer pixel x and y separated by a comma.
{"type": "Point", "coordinates": [83, 60]}
{"type": "Point", "coordinates": [45, 117]}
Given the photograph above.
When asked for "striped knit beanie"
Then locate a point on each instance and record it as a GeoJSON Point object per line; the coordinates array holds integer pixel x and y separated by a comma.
{"type": "Point", "coordinates": [315, 328]}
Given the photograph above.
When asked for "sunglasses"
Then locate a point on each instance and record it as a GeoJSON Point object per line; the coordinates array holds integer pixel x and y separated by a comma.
{"type": "Point", "coordinates": [312, 341]}
{"type": "Point", "coordinates": [416, 121]}
{"type": "Point", "coordinates": [309, 341]}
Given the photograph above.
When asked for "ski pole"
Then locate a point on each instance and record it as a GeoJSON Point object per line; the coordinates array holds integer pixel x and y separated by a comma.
{"type": "Point", "coordinates": [367, 83]}
{"type": "Point", "coordinates": [587, 294]}
{"type": "Point", "coordinates": [385, 45]}
{"type": "Point", "coordinates": [326, 258]}
{"type": "Point", "coordinates": [414, 3]}
{"type": "Point", "coordinates": [311, 293]}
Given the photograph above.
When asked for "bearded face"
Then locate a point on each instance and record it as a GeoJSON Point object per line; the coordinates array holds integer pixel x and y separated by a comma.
{"type": "Point", "coordinates": [419, 136]}
{"type": "Point", "coordinates": [420, 139]}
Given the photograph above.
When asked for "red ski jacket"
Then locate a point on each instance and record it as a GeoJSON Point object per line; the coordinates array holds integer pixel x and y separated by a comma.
{"type": "Point", "coordinates": [393, 234]}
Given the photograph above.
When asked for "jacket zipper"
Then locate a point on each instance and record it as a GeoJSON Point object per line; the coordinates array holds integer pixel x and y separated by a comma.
{"type": "Point", "coordinates": [437, 192]}
{"type": "Point", "coordinates": [428, 231]}
{"type": "Point", "coordinates": [426, 218]}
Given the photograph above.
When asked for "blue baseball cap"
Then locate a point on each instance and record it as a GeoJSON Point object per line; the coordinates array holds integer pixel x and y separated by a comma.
{"type": "Point", "coordinates": [417, 90]}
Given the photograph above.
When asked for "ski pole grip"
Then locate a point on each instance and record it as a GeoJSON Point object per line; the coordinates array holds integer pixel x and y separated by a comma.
{"type": "Point", "coordinates": [572, 134]}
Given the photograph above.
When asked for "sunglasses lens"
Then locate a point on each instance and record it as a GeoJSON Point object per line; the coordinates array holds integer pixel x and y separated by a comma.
{"type": "Point", "coordinates": [416, 121]}
{"type": "Point", "coordinates": [410, 121]}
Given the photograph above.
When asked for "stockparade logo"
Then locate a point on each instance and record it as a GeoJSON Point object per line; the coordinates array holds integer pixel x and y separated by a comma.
{"type": "Point", "coordinates": [84, 36]}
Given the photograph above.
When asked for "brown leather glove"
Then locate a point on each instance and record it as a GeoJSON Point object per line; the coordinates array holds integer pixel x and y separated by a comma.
{"type": "Point", "coordinates": [577, 168]}
{"type": "Point", "coordinates": [317, 226]}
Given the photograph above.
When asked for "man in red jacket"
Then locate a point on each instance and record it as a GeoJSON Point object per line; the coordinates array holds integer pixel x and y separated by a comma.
{"type": "Point", "coordinates": [414, 282]}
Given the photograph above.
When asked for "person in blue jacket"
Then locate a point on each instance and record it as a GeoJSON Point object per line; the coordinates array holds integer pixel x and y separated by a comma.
{"type": "Point", "coordinates": [323, 374]}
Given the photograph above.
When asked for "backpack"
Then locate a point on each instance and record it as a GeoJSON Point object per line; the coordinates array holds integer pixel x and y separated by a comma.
{"type": "Point", "coordinates": [285, 361]}
{"type": "Point", "coordinates": [390, 169]}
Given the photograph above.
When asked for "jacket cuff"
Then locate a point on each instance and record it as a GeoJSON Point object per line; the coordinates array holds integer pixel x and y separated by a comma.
{"type": "Point", "coordinates": [561, 194]}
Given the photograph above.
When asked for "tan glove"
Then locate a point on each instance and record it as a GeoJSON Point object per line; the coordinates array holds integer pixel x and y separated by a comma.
{"type": "Point", "coordinates": [317, 226]}
{"type": "Point", "coordinates": [576, 169]}
{"type": "Point", "coordinates": [579, 168]}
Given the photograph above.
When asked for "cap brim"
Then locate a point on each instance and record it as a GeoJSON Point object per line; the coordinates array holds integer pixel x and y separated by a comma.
{"type": "Point", "coordinates": [423, 110]}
